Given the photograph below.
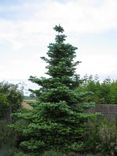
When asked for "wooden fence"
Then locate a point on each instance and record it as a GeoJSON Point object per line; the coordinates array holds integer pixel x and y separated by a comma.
{"type": "Point", "coordinates": [108, 110]}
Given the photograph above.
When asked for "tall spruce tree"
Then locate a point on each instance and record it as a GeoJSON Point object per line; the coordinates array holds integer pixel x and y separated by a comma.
{"type": "Point", "coordinates": [58, 120]}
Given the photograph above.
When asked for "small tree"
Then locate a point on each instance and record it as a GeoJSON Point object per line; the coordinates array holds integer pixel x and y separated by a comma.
{"type": "Point", "coordinates": [10, 99]}
{"type": "Point", "coordinates": [58, 120]}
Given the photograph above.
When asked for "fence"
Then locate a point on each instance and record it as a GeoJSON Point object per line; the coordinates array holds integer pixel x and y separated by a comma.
{"type": "Point", "coordinates": [108, 110]}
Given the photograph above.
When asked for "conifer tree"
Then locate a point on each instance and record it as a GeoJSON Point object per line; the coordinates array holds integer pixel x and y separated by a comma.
{"type": "Point", "coordinates": [58, 120]}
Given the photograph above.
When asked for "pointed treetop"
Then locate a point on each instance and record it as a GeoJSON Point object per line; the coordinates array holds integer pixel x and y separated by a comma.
{"type": "Point", "coordinates": [59, 29]}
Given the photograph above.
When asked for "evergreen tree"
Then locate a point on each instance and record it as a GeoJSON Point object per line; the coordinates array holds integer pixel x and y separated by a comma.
{"type": "Point", "coordinates": [58, 120]}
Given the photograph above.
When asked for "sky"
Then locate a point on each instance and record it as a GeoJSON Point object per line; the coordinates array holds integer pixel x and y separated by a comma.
{"type": "Point", "coordinates": [26, 29]}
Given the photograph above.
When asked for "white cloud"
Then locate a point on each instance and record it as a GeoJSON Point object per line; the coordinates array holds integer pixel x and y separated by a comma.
{"type": "Point", "coordinates": [80, 16]}
{"type": "Point", "coordinates": [98, 60]}
{"type": "Point", "coordinates": [31, 35]}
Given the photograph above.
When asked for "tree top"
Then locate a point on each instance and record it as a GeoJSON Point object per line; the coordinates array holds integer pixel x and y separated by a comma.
{"type": "Point", "coordinates": [58, 28]}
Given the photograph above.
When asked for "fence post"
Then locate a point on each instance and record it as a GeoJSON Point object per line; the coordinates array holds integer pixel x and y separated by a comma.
{"type": "Point", "coordinates": [116, 120]}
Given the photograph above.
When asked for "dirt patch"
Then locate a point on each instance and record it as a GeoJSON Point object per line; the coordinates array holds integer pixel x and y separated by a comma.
{"type": "Point", "coordinates": [26, 105]}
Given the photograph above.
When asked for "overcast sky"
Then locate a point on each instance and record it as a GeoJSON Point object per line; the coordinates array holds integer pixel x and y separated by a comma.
{"type": "Point", "coordinates": [26, 29]}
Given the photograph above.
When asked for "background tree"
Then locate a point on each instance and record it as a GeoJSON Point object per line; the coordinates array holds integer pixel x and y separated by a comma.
{"type": "Point", "coordinates": [113, 92]}
{"type": "Point", "coordinates": [58, 120]}
{"type": "Point", "coordinates": [10, 99]}
{"type": "Point", "coordinates": [90, 86]}
{"type": "Point", "coordinates": [101, 92]}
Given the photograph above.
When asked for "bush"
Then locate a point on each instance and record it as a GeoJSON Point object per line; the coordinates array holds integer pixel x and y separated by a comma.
{"type": "Point", "coordinates": [10, 100]}
{"type": "Point", "coordinates": [20, 154]}
{"type": "Point", "coordinates": [103, 137]}
{"type": "Point", "coordinates": [7, 140]}
{"type": "Point", "coordinates": [108, 138]}
{"type": "Point", "coordinates": [52, 153]}
{"type": "Point", "coordinates": [6, 134]}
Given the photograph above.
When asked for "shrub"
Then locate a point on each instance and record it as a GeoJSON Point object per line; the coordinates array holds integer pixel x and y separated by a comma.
{"type": "Point", "coordinates": [103, 137]}
{"type": "Point", "coordinates": [10, 100]}
{"type": "Point", "coordinates": [7, 140]}
{"type": "Point", "coordinates": [108, 138]}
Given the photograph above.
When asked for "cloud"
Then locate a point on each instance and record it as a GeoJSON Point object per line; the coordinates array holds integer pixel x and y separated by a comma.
{"type": "Point", "coordinates": [26, 30]}
{"type": "Point", "coordinates": [76, 16]}
{"type": "Point", "coordinates": [79, 16]}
